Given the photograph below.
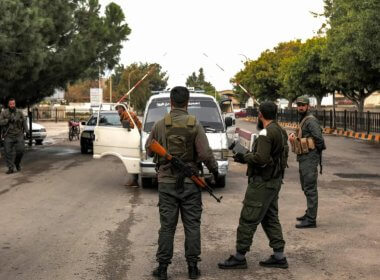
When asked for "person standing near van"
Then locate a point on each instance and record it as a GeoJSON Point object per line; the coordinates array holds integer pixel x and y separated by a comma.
{"type": "Point", "coordinates": [183, 137]}
{"type": "Point", "coordinates": [14, 125]}
{"type": "Point", "coordinates": [126, 117]}
{"type": "Point", "coordinates": [308, 144]}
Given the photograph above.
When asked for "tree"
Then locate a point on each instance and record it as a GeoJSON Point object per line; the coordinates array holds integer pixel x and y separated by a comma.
{"type": "Point", "coordinates": [262, 76]}
{"type": "Point", "coordinates": [301, 74]}
{"type": "Point", "coordinates": [46, 44]}
{"type": "Point", "coordinates": [199, 82]}
{"type": "Point", "coordinates": [125, 78]}
{"type": "Point", "coordinates": [353, 48]}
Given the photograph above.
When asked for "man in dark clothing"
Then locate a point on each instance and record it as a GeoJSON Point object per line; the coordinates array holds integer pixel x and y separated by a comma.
{"type": "Point", "coordinates": [14, 125]}
{"type": "Point", "coordinates": [260, 204]}
{"type": "Point", "coordinates": [308, 144]}
{"type": "Point", "coordinates": [183, 137]}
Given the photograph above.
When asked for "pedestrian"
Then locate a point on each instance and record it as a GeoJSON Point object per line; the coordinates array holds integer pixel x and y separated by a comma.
{"type": "Point", "coordinates": [129, 119]}
{"type": "Point", "coordinates": [308, 144]}
{"type": "Point", "coordinates": [14, 126]}
{"type": "Point", "coordinates": [260, 205]}
{"type": "Point", "coordinates": [183, 136]}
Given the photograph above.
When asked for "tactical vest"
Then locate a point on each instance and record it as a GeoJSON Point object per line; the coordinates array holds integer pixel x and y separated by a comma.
{"type": "Point", "coordinates": [303, 145]}
{"type": "Point", "coordinates": [179, 138]}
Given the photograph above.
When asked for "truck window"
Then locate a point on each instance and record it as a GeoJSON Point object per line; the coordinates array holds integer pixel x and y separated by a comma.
{"type": "Point", "coordinates": [204, 109]}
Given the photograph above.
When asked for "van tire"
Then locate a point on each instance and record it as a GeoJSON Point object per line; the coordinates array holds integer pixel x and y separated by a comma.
{"type": "Point", "coordinates": [221, 182]}
{"type": "Point", "coordinates": [145, 182]}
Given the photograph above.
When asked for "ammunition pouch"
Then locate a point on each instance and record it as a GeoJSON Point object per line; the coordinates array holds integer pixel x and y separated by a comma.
{"type": "Point", "coordinates": [302, 146]}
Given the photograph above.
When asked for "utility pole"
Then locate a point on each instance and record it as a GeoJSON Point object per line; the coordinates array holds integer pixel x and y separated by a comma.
{"type": "Point", "coordinates": [111, 89]}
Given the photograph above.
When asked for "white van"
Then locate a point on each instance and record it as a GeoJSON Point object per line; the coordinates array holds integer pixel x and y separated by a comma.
{"type": "Point", "coordinates": [127, 144]}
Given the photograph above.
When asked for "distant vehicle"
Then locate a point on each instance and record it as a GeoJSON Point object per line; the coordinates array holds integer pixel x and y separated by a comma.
{"type": "Point", "coordinates": [107, 118]}
{"type": "Point", "coordinates": [38, 132]}
{"type": "Point", "coordinates": [241, 113]}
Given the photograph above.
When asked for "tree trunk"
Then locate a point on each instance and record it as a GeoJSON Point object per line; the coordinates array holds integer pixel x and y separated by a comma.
{"type": "Point", "coordinates": [319, 103]}
{"type": "Point", "coordinates": [290, 104]}
{"type": "Point", "coordinates": [360, 104]}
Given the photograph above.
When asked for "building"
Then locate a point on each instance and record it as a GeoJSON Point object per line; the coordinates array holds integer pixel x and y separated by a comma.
{"type": "Point", "coordinates": [230, 94]}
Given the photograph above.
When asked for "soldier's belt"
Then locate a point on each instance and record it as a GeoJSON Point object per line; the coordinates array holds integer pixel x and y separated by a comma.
{"type": "Point", "coordinates": [303, 145]}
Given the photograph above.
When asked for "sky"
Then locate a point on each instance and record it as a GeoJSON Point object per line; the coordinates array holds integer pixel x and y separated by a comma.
{"type": "Point", "coordinates": [183, 36]}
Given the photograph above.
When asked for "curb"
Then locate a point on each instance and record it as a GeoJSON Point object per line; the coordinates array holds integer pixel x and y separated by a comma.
{"type": "Point", "coordinates": [372, 137]}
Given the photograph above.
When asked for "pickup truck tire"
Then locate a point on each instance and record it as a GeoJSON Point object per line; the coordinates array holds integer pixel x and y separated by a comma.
{"type": "Point", "coordinates": [83, 149]}
{"type": "Point", "coordinates": [221, 182]}
{"type": "Point", "coordinates": [145, 182]}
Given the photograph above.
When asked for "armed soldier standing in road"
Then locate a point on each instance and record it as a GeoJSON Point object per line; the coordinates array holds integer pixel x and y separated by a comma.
{"type": "Point", "coordinates": [183, 137]}
{"type": "Point", "coordinates": [260, 205]}
{"type": "Point", "coordinates": [308, 144]}
{"type": "Point", "coordinates": [14, 125]}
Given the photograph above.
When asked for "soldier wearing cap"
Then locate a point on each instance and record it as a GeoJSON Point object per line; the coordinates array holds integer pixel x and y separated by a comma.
{"type": "Point", "coordinates": [308, 144]}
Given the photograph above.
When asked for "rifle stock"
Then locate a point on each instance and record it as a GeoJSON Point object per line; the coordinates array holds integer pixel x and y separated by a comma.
{"type": "Point", "coordinates": [155, 147]}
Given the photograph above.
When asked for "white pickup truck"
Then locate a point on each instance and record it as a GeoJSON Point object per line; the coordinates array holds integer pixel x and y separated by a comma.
{"type": "Point", "coordinates": [129, 146]}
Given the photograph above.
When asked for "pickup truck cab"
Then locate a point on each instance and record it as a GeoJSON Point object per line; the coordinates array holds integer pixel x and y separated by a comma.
{"type": "Point", "coordinates": [129, 146]}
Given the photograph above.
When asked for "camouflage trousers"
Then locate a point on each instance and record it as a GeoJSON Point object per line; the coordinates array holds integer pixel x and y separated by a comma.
{"type": "Point", "coordinates": [260, 206]}
{"type": "Point", "coordinates": [171, 204]}
{"type": "Point", "coordinates": [308, 169]}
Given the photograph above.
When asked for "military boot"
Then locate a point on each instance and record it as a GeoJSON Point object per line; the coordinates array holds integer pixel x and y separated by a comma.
{"type": "Point", "coordinates": [10, 171]}
{"type": "Point", "coordinates": [161, 272]}
{"type": "Point", "coordinates": [18, 167]}
{"type": "Point", "coordinates": [273, 262]}
{"type": "Point", "coordinates": [301, 218]}
{"type": "Point", "coordinates": [233, 263]}
{"type": "Point", "coordinates": [194, 272]}
{"type": "Point", "coordinates": [306, 224]}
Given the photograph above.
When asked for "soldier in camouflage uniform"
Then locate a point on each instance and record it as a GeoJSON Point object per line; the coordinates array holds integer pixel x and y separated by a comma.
{"type": "Point", "coordinates": [13, 125]}
{"type": "Point", "coordinates": [308, 162]}
{"type": "Point", "coordinates": [183, 137]}
{"type": "Point", "coordinates": [260, 204]}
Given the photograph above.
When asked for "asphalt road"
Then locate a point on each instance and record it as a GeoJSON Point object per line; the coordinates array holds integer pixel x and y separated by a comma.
{"type": "Point", "coordinates": [68, 216]}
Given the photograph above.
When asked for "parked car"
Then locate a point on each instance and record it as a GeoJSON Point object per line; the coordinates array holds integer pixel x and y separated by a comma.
{"type": "Point", "coordinates": [241, 113]}
{"type": "Point", "coordinates": [38, 132]}
{"type": "Point", "coordinates": [107, 118]}
{"type": "Point", "coordinates": [129, 145]}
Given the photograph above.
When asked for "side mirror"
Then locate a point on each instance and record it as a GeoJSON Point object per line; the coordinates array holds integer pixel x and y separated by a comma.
{"type": "Point", "coordinates": [228, 121]}
{"type": "Point", "coordinates": [83, 123]}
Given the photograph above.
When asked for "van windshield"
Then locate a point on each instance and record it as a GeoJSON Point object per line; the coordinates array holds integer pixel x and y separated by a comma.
{"type": "Point", "coordinates": [204, 109]}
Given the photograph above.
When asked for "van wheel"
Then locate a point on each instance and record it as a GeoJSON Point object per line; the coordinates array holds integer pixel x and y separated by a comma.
{"type": "Point", "coordinates": [39, 142]}
{"type": "Point", "coordinates": [83, 149]}
{"type": "Point", "coordinates": [145, 182]}
{"type": "Point", "coordinates": [221, 182]}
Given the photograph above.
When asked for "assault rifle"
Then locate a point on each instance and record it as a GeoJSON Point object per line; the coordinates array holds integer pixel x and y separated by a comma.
{"type": "Point", "coordinates": [182, 167]}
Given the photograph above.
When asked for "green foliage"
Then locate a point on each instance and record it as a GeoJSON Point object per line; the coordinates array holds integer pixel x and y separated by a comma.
{"type": "Point", "coordinates": [261, 76]}
{"type": "Point", "coordinates": [46, 44]}
{"type": "Point", "coordinates": [301, 74]}
{"type": "Point", "coordinates": [199, 83]}
{"type": "Point", "coordinates": [126, 77]}
{"type": "Point", "coordinates": [353, 48]}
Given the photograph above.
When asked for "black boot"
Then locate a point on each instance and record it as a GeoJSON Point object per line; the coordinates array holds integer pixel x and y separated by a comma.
{"type": "Point", "coordinates": [161, 272]}
{"type": "Point", "coordinates": [10, 171]}
{"type": "Point", "coordinates": [306, 224]}
{"type": "Point", "coordinates": [194, 272]}
{"type": "Point", "coordinates": [273, 262]}
{"type": "Point", "coordinates": [233, 263]}
{"type": "Point", "coordinates": [301, 218]}
{"type": "Point", "coordinates": [18, 167]}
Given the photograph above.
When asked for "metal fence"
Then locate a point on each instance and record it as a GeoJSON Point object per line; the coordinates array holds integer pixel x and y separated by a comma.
{"type": "Point", "coordinates": [60, 114]}
{"type": "Point", "coordinates": [368, 122]}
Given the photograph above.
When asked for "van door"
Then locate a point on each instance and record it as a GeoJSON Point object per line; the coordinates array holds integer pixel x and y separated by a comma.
{"type": "Point", "coordinates": [112, 139]}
